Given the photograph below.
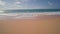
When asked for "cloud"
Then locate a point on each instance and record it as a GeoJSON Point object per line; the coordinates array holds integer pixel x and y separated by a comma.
{"type": "Point", "coordinates": [2, 3]}
{"type": "Point", "coordinates": [15, 4]}
{"type": "Point", "coordinates": [25, 0]}
{"type": "Point", "coordinates": [50, 3]}
{"type": "Point", "coordinates": [18, 2]}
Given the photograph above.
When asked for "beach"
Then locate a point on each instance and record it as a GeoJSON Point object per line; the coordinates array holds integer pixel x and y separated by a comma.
{"type": "Point", "coordinates": [29, 16]}
{"type": "Point", "coordinates": [46, 24]}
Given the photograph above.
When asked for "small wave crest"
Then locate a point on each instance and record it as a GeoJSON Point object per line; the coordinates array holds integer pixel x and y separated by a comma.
{"type": "Point", "coordinates": [30, 14]}
{"type": "Point", "coordinates": [26, 15]}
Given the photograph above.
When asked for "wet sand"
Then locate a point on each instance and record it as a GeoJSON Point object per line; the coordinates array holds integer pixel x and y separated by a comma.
{"type": "Point", "coordinates": [38, 25]}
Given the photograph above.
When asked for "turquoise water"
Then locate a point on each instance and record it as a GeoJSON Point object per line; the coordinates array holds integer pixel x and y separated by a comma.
{"type": "Point", "coordinates": [31, 10]}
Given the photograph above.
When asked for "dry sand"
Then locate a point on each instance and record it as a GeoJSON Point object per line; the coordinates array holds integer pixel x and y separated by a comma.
{"type": "Point", "coordinates": [39, 25]}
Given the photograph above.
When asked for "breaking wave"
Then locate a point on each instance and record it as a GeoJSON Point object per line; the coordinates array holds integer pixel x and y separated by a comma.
{"type": "Point", "coordinates": [25, 15]}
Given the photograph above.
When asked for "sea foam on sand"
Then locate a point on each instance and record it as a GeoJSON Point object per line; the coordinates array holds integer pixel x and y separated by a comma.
{"type": "Point", "coordinates": [26, 15]}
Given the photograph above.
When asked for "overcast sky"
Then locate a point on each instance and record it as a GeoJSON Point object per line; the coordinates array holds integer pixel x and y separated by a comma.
{"type": "Point", "coordinates": [29, 4]}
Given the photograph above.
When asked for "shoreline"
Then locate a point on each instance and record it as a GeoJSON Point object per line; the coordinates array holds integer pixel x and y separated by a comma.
{"type": "Point", "coordinates": [29, 17]}
{"type": "Point", "coordinates": [46, 24]}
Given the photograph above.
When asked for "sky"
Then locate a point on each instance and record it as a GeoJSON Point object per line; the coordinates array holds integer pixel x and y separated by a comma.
{"type": "Point", "coordinates": [29, 4]}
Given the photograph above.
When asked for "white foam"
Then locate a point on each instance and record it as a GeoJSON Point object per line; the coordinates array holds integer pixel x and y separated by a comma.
{"type": "Point", "coordinates": [26, 15]}
{"type": "Point", "coordinates": [30, 14]}
{"type": "Point", "coordinates": [1, 11]}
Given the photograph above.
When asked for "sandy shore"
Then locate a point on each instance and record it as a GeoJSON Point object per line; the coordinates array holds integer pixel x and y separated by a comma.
{"type": "Point", "coordinates": [38, 25]}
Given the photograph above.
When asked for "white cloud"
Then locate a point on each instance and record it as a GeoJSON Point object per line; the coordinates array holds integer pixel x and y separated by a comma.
{"type": "Point", "coordinates": [18, 2]}
{"type": "Point", "coordinates": [2, 3]}
{"type": "Point", "coordinates": [26, 0]}
{"type": "Point", "coordinates": [50, 3]}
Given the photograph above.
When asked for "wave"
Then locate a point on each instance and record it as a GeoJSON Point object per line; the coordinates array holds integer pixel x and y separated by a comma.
{"type": "Point", "coordinates": [40, 13]}
{"type": "Point", "coordinates": [25, 15]}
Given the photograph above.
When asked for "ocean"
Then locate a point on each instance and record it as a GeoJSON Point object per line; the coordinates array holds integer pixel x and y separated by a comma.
{"type": "Point", "coordinates": [27, 13]}
{"type": "Point", "coordinates": [31, 10]}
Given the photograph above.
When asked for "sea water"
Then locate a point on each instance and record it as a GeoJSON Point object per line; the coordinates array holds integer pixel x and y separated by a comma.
{"type": "Point", "coordinates": [22, 13]}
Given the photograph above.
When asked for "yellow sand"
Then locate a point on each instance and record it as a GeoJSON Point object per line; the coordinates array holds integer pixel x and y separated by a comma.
{"type": "Point", "coordinates": [42, 25]}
